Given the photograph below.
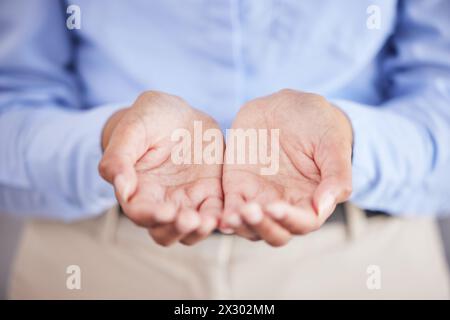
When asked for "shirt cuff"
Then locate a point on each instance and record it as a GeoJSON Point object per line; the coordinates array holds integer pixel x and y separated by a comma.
{"type": "Point", "coordinates": [95, 192]}
{"type": "Point", "coordinates": [363, 168]}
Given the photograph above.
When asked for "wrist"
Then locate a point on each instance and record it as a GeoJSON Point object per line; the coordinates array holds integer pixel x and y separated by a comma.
{"type": "Point", "coordinates": [347, 122]}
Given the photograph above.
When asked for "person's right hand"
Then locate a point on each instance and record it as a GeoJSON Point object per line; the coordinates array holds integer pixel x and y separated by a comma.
{"type": "Point", "coordinates": [174, 202]}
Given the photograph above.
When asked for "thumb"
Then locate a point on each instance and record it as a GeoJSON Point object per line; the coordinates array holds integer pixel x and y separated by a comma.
{"type": "Point", "coordinates": [127, 144]}
{"type": "Point", "coordinates": [336, 182]}
{"type": "Point", "coordinates": [120, 172]}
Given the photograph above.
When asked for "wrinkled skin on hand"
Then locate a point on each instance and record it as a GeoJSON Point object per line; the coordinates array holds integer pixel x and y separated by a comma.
{"type": "Point", "coordinates": [175, 202]}
{"type": "Point", "coordinates": [314, 169]}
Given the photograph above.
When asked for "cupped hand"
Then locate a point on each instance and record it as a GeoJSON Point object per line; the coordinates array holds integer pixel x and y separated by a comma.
{"type": "Point", "coordinates": [314, 173]}
{"type": "Point", "coordinates": [175, 202]}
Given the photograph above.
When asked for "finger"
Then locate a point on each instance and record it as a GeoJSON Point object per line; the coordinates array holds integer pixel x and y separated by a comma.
{"type": "Point", "coordinates": [149, 214]}
{"type": "Point", "coordinates": [124, 181]}
{"type": "Point", "coordinates": [210, 211]}
{"type": "Point", "coordinates": [235, 225]}
{"type": "Point", "coordinates": [187, 220]}
{"type": "Point", "coordinates": [209, 215]}
{"type": "Point", "coordinates": [207, 192]}
{"type": "Point", "coordinates": [127, 144]}
{"type": "Point", "coordinates": [297, 220]}
{"type": "Point", "coordinates": [336, 180]}
{"type": "Point", "coordinates": [230, 218]}
{"type": "Point", "coordinates": [246, 232]}
{"type": "Point", "coordinates": [207, 225]}
{"type": "Point", "coordinates": [264, 226]}
{"type": "Point", "coordinates": [213, 205]}
{"type": "Point", "coordinates": [329, 193]}
{"type": "Point", "coordinates": [164, 213]}
{"type": "Point", "coordinates": [165, 235]}
{"type": "Point", "coordinates": [231, 221]}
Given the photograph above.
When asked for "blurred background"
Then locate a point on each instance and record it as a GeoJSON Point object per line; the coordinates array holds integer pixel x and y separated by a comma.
{"type": "Point", "coordinates": [11, 227]}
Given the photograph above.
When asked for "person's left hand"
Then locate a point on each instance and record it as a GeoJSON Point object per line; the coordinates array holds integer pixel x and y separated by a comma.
{"type": "Point", "coordinates": [315, 148]}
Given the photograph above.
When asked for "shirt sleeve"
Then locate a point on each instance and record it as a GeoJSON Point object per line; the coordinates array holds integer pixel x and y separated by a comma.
{"type": "Point", "coordinates": [401, 160]}
{"type": "Point", "coordinates": [49, 142]}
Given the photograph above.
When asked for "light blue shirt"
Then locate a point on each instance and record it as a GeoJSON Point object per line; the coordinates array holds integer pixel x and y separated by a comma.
{"type": "Point", "coordinates": [58, 87]}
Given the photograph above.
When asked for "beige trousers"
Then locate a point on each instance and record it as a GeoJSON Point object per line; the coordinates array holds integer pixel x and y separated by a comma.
{"type": "Point", "coordinates": [363, 259]}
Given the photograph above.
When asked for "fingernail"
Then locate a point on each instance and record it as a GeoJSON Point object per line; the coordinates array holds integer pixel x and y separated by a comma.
{"type": "Point", "coordinates": [252, 213]}
{"type": "Point", "coordinates": [123, 187]}
{"type": "Point", "coordinates": [277, 210]}
{"type": "Point", "coordinates": [226, 230]}
{"type": "Point", "coordinates": [326, 204]}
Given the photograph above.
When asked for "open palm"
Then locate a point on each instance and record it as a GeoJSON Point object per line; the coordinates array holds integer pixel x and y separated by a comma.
{"type": "Point", "coordinates": [176, 202]}
{"type": "Point", "coordinates": [314, 168]}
